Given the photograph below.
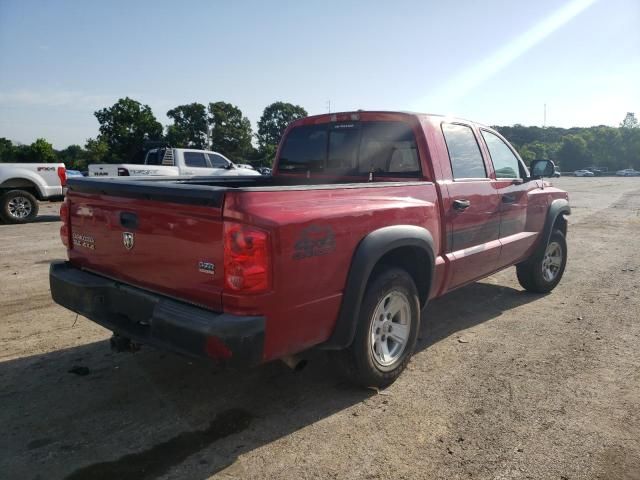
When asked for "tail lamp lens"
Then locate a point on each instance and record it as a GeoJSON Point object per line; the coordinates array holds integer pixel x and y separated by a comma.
{"type": "Point", "coordinates": [65, 228]}
{"type": "Point", "coordinates": [62, 175]}
{"type": "Point", "coordinates": [246, 258]}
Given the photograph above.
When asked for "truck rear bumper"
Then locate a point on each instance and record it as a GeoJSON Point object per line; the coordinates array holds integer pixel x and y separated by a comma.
{"type": "Point", "coordinates": [153, 319]}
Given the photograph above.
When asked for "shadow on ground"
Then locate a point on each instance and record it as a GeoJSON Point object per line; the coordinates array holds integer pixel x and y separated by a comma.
{"type": "Point", "coordinates": [137, 416]}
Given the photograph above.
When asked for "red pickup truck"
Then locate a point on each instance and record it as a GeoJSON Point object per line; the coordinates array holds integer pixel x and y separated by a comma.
{"type": "Point", "coordinates": [368, 216]}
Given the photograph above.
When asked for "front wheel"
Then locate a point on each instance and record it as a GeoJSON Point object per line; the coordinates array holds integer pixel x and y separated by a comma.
{"type": "Point", "coordinates": [386, 332]}
{"type": "Point", "coordinates": [18, 206]}
{"type": "Point", "coordinates": [542, 273]}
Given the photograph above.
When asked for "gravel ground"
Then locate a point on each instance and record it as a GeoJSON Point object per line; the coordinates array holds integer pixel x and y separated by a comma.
{"type": "Point", "coordinates": [503, 385]}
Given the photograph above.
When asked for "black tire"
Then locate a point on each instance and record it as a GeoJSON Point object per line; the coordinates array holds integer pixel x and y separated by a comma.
{"type": "Point", "coordinates": [357, 362]}
{"type": "Point", "coordinates": [18, 206]}
{"type": "Point", "coordinates": [531, 273]}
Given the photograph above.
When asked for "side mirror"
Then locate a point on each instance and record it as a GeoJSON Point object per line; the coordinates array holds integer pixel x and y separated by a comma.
{"type": "Point", "coordinates": [542, 168]}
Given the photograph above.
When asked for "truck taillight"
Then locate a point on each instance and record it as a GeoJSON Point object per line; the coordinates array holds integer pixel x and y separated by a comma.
{"type": "Point", "coordinates": [123, 172]}
{"type": "Point", "coordinates": [65, 228]}
{"type": "Point", "coordinates": [246, 258]}
{"type": "Point", "coordinates": [62, 175]}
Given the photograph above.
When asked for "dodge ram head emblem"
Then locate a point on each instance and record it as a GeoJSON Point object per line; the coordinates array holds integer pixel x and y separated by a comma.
{"type": "Point", "coordinates": [128, 240]}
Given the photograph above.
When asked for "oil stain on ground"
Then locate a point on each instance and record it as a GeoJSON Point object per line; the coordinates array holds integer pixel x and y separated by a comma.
{"type": "Point", "coordinates": [160, 458]}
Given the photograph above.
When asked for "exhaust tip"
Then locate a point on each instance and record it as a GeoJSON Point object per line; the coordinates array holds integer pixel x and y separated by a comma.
{"type": "Point", "coordinates": [295, 363]}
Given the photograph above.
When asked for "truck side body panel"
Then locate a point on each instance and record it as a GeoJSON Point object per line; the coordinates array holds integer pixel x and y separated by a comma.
{"type": "Point", "coordinates": [315, 234]}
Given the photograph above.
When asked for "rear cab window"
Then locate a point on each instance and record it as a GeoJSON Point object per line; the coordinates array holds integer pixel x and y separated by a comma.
{"type": "Point", "coordinates": [386, 148]}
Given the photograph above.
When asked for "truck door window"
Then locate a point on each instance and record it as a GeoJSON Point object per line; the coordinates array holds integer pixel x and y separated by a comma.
{"type": "Point", "coordinates": [464, 152]}
{"type": "Point", "coordinates": [195, 159]}
{"type": "Point", "coordinates": [505, 163]}
{"type": "Point", "coordinates": [217, 161]}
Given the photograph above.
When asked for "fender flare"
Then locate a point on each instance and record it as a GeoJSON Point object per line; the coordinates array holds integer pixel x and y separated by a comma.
{"type": "Point", "coordinates": [367, 254]}
{"type": "Point", "coordinates": [25, 175]}
{"type": "Point", "coordinates": [559, 206]}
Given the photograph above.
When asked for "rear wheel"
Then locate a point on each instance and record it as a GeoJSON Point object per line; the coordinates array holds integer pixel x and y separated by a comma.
{"type": "Point", "coordinates": [542, 273]}
{"type": "Point", "coordinates": [386, 332]}
{"type": "Point", "coordinates": [18, 206]}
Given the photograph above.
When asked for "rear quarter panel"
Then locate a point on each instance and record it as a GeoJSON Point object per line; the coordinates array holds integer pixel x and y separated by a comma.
{"type": "Point", "coordinates": [314, 234]}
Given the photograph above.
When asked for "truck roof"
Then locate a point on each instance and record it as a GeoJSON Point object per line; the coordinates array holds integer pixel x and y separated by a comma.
{"type": "Point", "coordinates": [355, 114]}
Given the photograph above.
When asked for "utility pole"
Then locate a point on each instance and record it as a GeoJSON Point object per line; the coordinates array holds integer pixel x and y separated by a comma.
{"type": "Point", "coordinates": [328, 106]}
{"type": "Point", "coordinates": [544, 123]}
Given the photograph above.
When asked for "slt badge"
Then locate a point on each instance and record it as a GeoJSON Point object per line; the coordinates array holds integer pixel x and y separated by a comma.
{"type": "Point", "coordinates": [128, 240]}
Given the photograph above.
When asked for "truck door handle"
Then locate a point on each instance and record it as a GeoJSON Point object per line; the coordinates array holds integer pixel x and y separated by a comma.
{"type": "Point", "coordinates": [461, 204]}
{"type": "Point", "coordinates": [508, 199]}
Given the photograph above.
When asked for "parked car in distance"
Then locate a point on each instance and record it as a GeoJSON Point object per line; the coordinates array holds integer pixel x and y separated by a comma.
{"type": "Point", "coordinates": [264, 170]}
{"type": "Point", "coordinates": [23, 184]}
{"type": "Point", "coordinates": [583, 173]}
{"type": "Point", "coordinates": [245, 165]}
{"type": "Point", "coordinates": [174, 162]}
{"type": "Point", "coordinates": [628, 172]}
{"type": "Point", "coordinates": [74, 173]}
{"type": "Point", "coordinates": [556, 172]}
{"type": "Point", "coordinates": [366, 217]}
{"type": "Point", "coordinates": [597, 171]}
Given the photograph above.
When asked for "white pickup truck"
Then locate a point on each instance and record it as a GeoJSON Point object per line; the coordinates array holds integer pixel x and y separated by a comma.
{"type": "Point", "coordinates": [172, 162]}
{"type": "Point", "coordinates": [23, 184]}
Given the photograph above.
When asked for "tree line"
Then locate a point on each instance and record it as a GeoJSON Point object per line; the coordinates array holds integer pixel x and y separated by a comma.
{"type": "Point", "coordinates": [127, 127]}
{"type": "Point", "coordinates": [615, 148]}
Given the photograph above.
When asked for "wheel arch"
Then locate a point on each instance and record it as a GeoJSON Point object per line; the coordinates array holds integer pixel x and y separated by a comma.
{"type": "Point", "coordinates": [405, 246]}
{"type": "Point", "coordinates": [555, 219]}
{"type": "Point", "coordinates": [21, 183]}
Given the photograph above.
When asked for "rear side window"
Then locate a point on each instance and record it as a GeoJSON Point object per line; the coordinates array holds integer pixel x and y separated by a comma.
{"type": "Point", "coordinates": [505, 163]}
{"type": "Point", "coordinates": [464, 152]}
{"type": "Point", "coordinates": [353, 148]}
{"type": "Point", "coordinates": [195, 159]}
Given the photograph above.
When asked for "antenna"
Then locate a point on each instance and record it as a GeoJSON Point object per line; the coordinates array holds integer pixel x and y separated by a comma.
{"type": "Point", "coordinates": [329, 106]}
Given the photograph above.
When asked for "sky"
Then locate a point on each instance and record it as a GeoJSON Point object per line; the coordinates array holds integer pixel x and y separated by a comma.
{"type": "Point", "coordinates": [493, 61]}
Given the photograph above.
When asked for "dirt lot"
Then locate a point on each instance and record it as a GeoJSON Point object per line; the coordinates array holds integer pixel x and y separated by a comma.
{"type": "Point", "coordinates": [504, 384]}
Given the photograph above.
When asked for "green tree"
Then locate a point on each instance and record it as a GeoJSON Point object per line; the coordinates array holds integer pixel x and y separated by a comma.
{"type": "Point", "coordinates": [6, 150]}
{"type": "Point", "coordinates": [273, 122]}
{"type": "Point", "coordinates": [125, 126]}
{"type": "Point", "coordinates": [630, 121]}
{"type": "Point", "coordinates": [189, 129]}
{"type": "Point", "coordinates": [97, 150]}
{"type": "Point", "coordinates": [42, 151]}
{"type": "Point", "coordinates": [74, 157]}
{"type": "Point", "coordinates": [573, 153]}
{"type": "Point", "coordinates": [230, 131]}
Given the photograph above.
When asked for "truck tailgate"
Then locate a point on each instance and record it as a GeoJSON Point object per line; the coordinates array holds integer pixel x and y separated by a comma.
{"type": "Point", "coordinates": [156, 237]}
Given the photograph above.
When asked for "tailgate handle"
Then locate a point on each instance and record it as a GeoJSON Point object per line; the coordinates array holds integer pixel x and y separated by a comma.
{"type": "Point", "coordinates": [129, 220]}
